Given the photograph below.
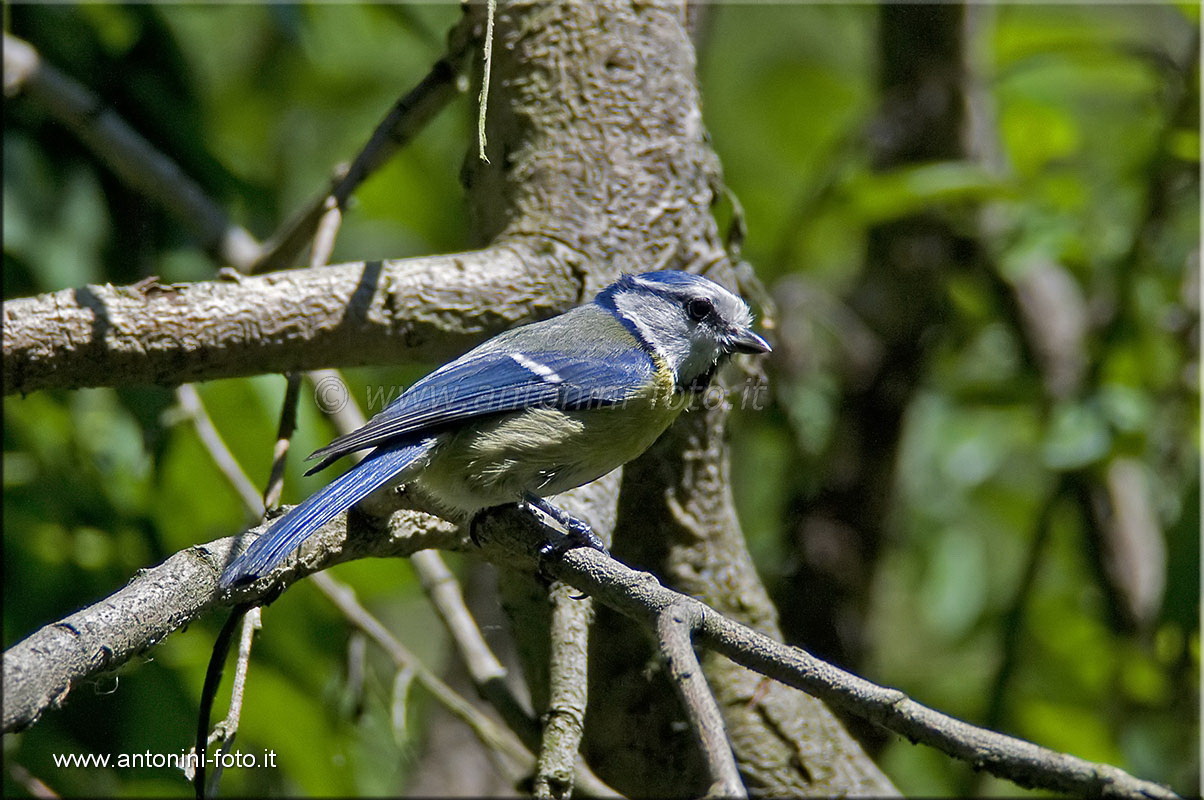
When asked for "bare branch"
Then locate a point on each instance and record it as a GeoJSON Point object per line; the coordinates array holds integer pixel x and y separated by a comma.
{"type": "Point", "coordinates": [405, 119]}
{"type": "Point", "coordinates": [674, 625]}
{"type": "Point", "coordinates": [126, 152]}
{"type": "Point", "coordinates": [284, 438]}
{"type": "Point", "coordinates": [42, 669]}
{"type": "Point", "coordinates": [252, 622]}
{"type": "Point", "coordinates": [486, 671]}
{"type": "Point", "coordinates": [495, 738]}
{"type": "Point", "coordinates": [564, 634]}
{"type": "Point", "coordinates": [216, 446]}
{"type": "Point", "coordinates": [1134, 545]}
{"type": "Point", "coordinates": [641, 597]}
{"type": "Point", "coordinates": [324, 236]}
{"type": "Point", "coordinates": [1056, 321]}
{"type": "Point", "coordinates": [359, 313]}
{"type": "Point", "coordinates": [568, 684]}
{"type": "Point", "coordinates": [487, 68]}
{"type": "Point", "coordinates": [29, 782]}
{"type": "Point", "coordinates": [516, 761]}
{"type": "Point", "coordinates": [226, 730]}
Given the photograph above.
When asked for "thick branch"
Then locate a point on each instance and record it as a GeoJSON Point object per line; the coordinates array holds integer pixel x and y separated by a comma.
{"type": "Point", "coordinates": [351, 314]}
{"type": "Point", "coordinates": [41, 670]}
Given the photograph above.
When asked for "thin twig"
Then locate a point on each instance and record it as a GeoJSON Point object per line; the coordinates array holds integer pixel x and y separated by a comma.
{"type": "Point", "coordinates": [405, 119]}
{"type": "Point", "coordinates": [357, 674]}
{"type": "Point", "coordinates": [190, 402]}
{"type": "Point", "coordinates": [486, 671]}
{"type": "Point", "coordinates": [487, 68]}
{"type": "Point", "coordinates": [126, 152]}
{"type": "Point", "coordinates": [494, 737]}
{"type": "Point", "coordinates": [226, 730]}
{"type": "Point", "coordinates": [324, 236]}
{"type": "Point", "coordinates": [402, 681]}
{"type": "Point", "coordinates": [323, 246]}
{"type": "Point", "coordinates": [194, 770]}
{"type": "Point", "coordinates": [674, 626]}
{"type": "Point", "coordinates": [284, 438]}
{"type": "Point", "coordinates": [30, 783]}
{"type": "Point", "coordinates": [568, 683]}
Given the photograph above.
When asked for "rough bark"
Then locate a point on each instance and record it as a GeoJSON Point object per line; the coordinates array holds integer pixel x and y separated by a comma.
{"type": "Point", "coordinates": [376, 312]}
{"type": "Point", "coordinates": [599, 145]}
{"type": "Point", "coordinates": [41, 670]}
{"type": "Point", "coordinates": [598, 164]}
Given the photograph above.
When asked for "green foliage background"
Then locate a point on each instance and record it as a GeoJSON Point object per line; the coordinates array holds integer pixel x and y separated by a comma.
{"type": "Point", "coordinates": [258, 103]}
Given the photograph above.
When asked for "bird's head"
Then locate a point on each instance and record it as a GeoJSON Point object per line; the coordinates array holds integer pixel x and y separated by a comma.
{"type": "Point", "coordinates": [689, 321]}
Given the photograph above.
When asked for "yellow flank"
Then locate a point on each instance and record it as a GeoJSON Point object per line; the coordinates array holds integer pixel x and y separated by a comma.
{"type": "Point", "coordinates": [546, 451]}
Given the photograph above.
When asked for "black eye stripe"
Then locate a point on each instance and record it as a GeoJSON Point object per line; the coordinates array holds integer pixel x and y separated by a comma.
{"type": "Point", "coordinates": [699, 308]}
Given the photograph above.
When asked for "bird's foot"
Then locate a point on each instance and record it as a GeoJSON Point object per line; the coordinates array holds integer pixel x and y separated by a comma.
{"type": "Point", "coordinates": [577, 532]}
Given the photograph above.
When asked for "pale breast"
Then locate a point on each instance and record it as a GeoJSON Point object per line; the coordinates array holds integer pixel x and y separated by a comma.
{"type": "Point", "coordinates": [543, 451]}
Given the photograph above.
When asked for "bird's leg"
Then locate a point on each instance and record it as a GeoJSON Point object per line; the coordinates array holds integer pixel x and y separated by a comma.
{"type": "Point", "coordinates": [577, 531]}
{"type": "Point", "coordinates": [472, 527]}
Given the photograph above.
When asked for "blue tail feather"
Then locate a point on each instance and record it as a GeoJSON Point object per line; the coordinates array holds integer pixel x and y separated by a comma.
{"type": "Point", "coordinates": [306, 518]}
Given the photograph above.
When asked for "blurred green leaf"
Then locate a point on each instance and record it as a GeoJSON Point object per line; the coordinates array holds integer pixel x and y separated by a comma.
{"type": "Point", "coordinates": [909, 190]}
{"type": "Point", "coordinates": [1078, 436]}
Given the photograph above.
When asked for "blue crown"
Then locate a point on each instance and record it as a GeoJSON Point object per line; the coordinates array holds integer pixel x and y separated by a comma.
{"type": "Point", "coordinates": [669, 277]}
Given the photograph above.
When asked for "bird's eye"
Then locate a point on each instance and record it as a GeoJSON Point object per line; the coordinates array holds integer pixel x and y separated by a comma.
{"type": "Point", "coordinates": [699, 308]}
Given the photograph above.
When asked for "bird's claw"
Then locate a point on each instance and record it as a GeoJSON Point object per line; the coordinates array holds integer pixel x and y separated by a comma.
{"type": "Point", "coordinates": [578, 533]}
{"type": "Point", "coordinates": [570, 541]}
{"type": "Point", "coordinates": [554, 550]}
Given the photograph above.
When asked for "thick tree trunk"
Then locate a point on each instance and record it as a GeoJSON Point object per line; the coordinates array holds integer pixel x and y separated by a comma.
{"type": "Point", "coordinates": [597, 143]}
{"type": "Point", "coordinates": [598, 164]}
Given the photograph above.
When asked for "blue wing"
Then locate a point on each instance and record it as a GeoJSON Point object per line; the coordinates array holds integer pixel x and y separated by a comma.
{"type": "Point", "coordinates": [494, 382]}
{"type": "Point", "coordinates": [304, 519]}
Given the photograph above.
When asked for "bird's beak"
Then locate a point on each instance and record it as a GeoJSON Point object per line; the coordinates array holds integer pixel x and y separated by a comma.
{"type": "Point", "coordinates": [745, 341]}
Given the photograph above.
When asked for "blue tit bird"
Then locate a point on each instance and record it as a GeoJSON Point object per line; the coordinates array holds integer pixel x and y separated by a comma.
{"type": "Point", "coordinates": [534, 411]}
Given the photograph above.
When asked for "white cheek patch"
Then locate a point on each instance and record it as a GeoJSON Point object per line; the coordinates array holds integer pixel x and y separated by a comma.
{"type": "Point", "coordinates": [542, 371]}
{"type": "Point", "coordinates": [659, 323]}
{"type": "Point", "coordinates": [691, 349]}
